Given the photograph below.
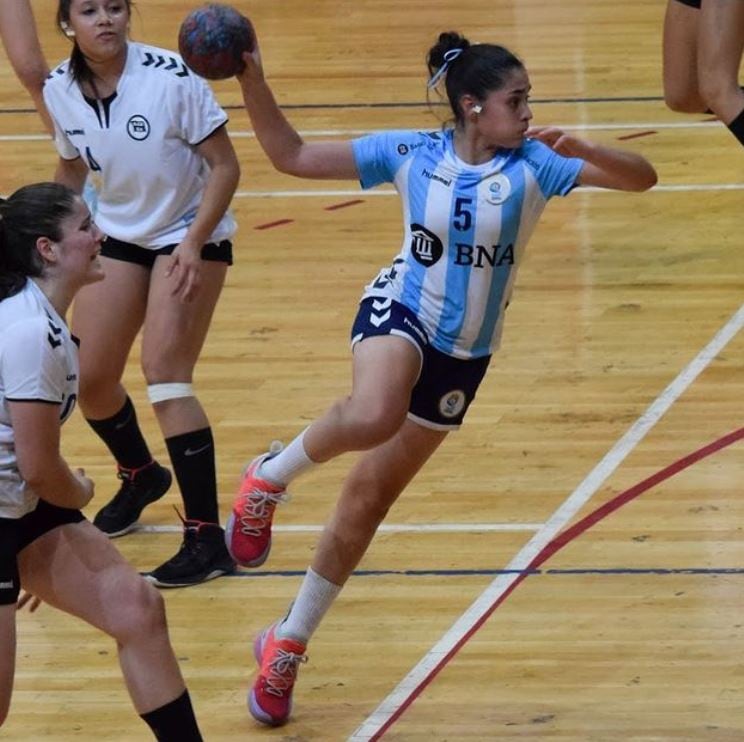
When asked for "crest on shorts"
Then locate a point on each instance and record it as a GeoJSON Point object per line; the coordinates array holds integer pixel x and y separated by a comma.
{"type": "Point", "coordinates": [452, 403]}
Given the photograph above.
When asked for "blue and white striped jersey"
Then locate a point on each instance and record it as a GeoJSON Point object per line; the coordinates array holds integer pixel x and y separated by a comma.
{"type": "Point", "coordinates": [466, 227]}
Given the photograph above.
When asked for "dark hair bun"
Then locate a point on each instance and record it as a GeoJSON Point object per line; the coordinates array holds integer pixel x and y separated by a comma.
{"type": "Point", "coordinates": [447, 41]}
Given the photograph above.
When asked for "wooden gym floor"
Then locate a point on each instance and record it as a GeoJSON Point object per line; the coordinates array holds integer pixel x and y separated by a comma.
{"type": "Point", "coordinates": [618, 383]}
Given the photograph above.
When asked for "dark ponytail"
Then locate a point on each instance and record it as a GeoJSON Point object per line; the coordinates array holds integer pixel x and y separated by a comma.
{"type": "Point", "coordinates": [32, 212]}
{"type": "Point", "coordinates": [469, 69]}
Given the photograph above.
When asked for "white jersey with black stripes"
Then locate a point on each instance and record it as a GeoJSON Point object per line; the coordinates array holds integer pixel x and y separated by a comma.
{"type": "Point", "coordinates": [139, 145]}
{"type": "Point", "coordinates": [38, 363]}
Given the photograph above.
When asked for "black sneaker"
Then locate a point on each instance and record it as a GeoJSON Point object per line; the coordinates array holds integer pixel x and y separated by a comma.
{"type": "Point", "coordinates": [139, 487]}
{"type": "Point", "coordinates": [202, 556]}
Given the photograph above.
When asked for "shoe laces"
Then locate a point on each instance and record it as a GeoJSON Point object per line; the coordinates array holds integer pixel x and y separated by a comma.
{"type": "Point", "coordinates": [283, 671]}
{"type": "Point", "coordinates": [258, 509]}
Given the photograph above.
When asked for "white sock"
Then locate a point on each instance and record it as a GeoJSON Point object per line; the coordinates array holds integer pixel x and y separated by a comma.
{"type": "Point", "coordinates": [289, 463]}
{"type": "Point", "coordinates": [312, 602]}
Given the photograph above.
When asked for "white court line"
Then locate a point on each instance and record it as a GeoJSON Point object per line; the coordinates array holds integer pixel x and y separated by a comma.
{"type": "Point", "coordinates": [388, 528]}
{"type": "Point", "coordinates": [357, 192]}
{"type": "Point", "coordinates": [580, 496]}
{"type": "Point", "coordinates": [240, 134]}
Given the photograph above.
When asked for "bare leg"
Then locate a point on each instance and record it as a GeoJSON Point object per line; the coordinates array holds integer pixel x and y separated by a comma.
{"type": "Point", "coordinates": [384, 373]}
{"type": "Point", "coordinates": [106, 317]}
{"type": "Point", "coordinates": [92, 581]}
{"type": "Point", "coordinates": [7, 657]}
{"type": "Point", "coordinates": [721, 43]}
{"type": "Point", "coordinates": [18, 32]}
{"type": "Point", "coordinates": [372, 486]}
{"type": "Point", "coordinates": [173, 337]}
{"type": "Point", "coordinates": [681, 90]}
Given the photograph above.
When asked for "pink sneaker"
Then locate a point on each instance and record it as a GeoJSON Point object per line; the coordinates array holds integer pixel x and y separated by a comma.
{"type": "Point", "coordinates": [270, 698]}
{"type": "Point", "coordinates": [248, 529]}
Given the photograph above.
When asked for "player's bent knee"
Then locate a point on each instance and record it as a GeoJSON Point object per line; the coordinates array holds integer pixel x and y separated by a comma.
{"type": "Point", "coordinates": [164, 392]}
{"type": "Point", "coordinates": [141, 612]}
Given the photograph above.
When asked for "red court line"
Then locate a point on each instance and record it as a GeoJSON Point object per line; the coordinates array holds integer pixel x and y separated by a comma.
{"type": "Point", "coordinates": [556, 545]}
{"type": "Point", "coordinates": [637, 135]}
{"type": "Point", "coordinates": [344, 204]}
{"type": "Point", "coordinates": [277, 223]}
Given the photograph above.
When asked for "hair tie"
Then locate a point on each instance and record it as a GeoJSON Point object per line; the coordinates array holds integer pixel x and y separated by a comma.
{"type": "Point", "coordinates": [449, 57]}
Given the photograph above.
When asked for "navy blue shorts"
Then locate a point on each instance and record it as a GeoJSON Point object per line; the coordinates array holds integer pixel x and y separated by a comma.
{"type": "Point", "coordinates": [17, 533]}
{"type": "Point", "coordinates": [691, 3]}
{"type": "Point", "coordinates": [446, 385]}
{"type": "Point", "coordinates": [218, 252]}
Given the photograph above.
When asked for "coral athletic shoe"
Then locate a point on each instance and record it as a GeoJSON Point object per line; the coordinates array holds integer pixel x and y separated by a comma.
{"type": "Point", "coordinates": [270, 698]}
{"type": "Point", "coordinates": [248, 530]}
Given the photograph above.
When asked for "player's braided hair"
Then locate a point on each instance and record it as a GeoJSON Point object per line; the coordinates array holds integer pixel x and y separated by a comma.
{"type": "Point", "coordinates": [31, 212]}
{"type": "Point", "coordinates": [477, 70]}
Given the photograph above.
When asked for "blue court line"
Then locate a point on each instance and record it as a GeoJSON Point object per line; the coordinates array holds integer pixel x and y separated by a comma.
{"type": "Point", "coordinates": [492, 572]}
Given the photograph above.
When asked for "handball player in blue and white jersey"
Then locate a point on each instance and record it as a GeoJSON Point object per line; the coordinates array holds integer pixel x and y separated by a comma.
{"type": "Point", "coordinates": [49, 250]}
{"type": "Point", "coordinates": [427, 325]}
{"type": "Point", "coordinates": [153, 141]}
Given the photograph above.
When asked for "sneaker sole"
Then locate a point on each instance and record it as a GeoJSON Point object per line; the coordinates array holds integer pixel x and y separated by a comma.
{"type": "Point", "coordinates": [258, 561]}
{"type": "Point", "coordinates": [211, 576]}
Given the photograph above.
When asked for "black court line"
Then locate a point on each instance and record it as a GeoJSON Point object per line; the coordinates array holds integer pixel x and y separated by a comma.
{"type": "Point", "coordinates": [493, 572]}
{"type": "Point", "coordinates": [414, 104]}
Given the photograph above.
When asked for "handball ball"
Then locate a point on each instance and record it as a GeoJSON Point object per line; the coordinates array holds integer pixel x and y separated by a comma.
{"type": "Point", "coordinates": [213, 38]}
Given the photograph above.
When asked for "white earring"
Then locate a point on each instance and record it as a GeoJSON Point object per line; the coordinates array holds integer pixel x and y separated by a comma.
{"type": "Point", "coordinates": [70, 33]}
{"type": "Point", "coordinates": [477, 108]}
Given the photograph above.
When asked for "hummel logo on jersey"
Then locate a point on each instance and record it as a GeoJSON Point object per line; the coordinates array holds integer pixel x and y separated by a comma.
{"type": "Point", "coordinates": [155, 61]}
{"type": "Point", "coordinates": [426, 247]}
{"type": "Point", "coordinates": [433, 176]}
{"type": "Point", "coordinates": [75, 132]}
{"type": "Point", "coordinates": [138, 127]}
{"type": "Point", "coordinates": [479, 255]}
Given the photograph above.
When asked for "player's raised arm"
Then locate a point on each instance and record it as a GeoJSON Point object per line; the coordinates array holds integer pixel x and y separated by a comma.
{"type": "Point", "coordinates": [286, 149]}
{"type": "Point", "coordinates": [605, 167]}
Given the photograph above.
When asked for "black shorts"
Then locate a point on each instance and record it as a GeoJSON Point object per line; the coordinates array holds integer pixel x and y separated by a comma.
{"type": "Point", "coordinates": [17, 533]}
{"type": "Point", "coordinates": [218, 252]}
{"type": "Point", "coordinates": [446, 385]}
{"type": "Point", "coordinates": [691, 3]}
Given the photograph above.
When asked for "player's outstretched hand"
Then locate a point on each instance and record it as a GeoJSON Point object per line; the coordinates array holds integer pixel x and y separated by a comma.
{"type": "Point", "coordinates": [252, 73]}
{"type": "Point", "coordinates": [557, 139]}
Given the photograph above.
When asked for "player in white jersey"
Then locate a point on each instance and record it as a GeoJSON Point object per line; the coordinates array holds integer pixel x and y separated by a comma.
{"type": "Point", "coordinates": [703, 46]}
{"type": "Point", "coordinates": [18, 34]}
{"type": "Point", "coordinates": [427, 325]}
{"type": "Point", "coordinates": [49, 249]}
{"type": "Point", "coordinates": [152, 138]}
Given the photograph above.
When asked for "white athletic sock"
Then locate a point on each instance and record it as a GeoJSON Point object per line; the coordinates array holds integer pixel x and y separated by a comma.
{"type": "Point", "coordinates": [289, 463]}
{"type": "Point", "coordinates": [312, 602]}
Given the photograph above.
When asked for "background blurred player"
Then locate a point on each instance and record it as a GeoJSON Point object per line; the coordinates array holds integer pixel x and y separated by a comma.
{"type": "Point", "coordinates": [703, 44]}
